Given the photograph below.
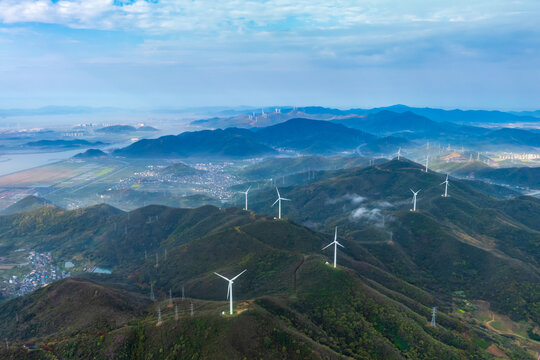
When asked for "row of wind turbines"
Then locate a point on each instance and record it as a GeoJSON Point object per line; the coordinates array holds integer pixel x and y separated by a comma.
{"type": "Point", "coordinates": [278, 200]}
{"type": "Point", "coordinates": [445, 194]}
{"type": "Point", "coordinates": [336, 243]}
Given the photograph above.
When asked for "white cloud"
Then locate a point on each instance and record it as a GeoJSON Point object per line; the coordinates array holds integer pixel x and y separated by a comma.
{"type": "Point", "coordinates": [354, 199]}
{"type": "Point", "coordinates": [208, 15]}
{"type": "Point", "coordinates": [367, 214]}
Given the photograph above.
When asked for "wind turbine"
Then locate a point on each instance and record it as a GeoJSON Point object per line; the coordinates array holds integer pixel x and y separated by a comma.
{"type": "Point", "coordinates": [445, 182]}
{"type": "Point", "coordinates": [229, 289]}
{"type": "Point", "coordinates": [427, 162]}
{"type": "Point", "coordinates": [279, 198]}
{"type": "Point", "coordinates": [335, 243]}
{"type": "Point", "coordinates": [246, 193]}
{"type": "Point", "coordinates": [414, 199]}
{"type": "Point", "coordinates": [399, 153]}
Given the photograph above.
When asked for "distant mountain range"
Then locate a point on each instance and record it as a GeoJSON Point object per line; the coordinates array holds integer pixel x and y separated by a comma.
{"type": "Point", "coordinates": [379, 133]}
{"type": "Point", "coordinates": [440, 115]}
{"type": "Point", "coordinates": [228, 143]}
{"type": "Point", "coordinates": [388, 122]}
{"type": "Point", "coordinates": [312, 136]}
{"type": "Point", "coordinates": [302, 135]}
{"type": "Point", "coordinates": [249, 119]}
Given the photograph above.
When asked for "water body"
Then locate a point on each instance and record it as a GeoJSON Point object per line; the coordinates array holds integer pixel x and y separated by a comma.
{"type": "Point", "coordinates": [14, 162]}
{"type": "Point", "coordinates": [99, 270]}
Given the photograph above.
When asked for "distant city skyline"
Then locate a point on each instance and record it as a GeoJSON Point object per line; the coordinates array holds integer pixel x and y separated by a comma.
{"type": "Point", "coordinates": [344, 54]}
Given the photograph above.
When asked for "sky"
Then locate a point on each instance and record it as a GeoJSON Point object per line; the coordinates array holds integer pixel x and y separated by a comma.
{"type": "Point", "coordinates": [469, 54]}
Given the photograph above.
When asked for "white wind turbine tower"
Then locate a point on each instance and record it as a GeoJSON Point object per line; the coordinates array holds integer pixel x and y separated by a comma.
{"type": "Point", "coordinates": [427, 163]}
{"type": "Point", "coordinates": [335, 243]}
{"type": "Point", "coordinates": [229, 289]}
{"type": "Point", "coordinates": [279, 198]}
{"type": "Point", "coordinates": [246, 193]}
{"type": "Point", "coordinates": [399, 153]}
{"type": "Point", "coordinates": [414, 199]}
{"type": "Point", "coordinates": [445, 182]}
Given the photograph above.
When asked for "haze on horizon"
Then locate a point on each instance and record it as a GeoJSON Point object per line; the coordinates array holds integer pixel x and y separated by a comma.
{"type": "Point", "coordinates": [155, 53]}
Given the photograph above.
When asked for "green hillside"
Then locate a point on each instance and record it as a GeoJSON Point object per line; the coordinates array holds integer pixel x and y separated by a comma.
{"type": "Point", "coordinates": [395, 266]}
{"type": "Point", "coordinates": [467, 242]}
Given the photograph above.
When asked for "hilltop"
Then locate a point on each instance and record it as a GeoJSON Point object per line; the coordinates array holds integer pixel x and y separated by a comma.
{"type": "Point", "coordinates": [91, 154]}
{"type": "Point", "coordinates": [30, 202]}
{"type": "Point", "coordinates": [179, 169]}
{"type": "Point", "coordinates": [228, 143]}
{"type": "Point", "coordinates": [388, 122]}
{"type": "Point", "coordinates": [56, 310]}
{"type": "Point", "coordinates": [312, 136]}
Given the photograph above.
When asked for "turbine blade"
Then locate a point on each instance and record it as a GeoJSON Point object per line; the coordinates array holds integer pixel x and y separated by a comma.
{"type": "Point", "coordinates": [285, 199]}
{"type": "Point", "coordinates": [412, 190]}
{"type": "Point", "coordinates": [337, 242]}
{"type": "Point", "coordinates": [249, 188]}
{"type": "Point", "coordinates": [275, 202]}
{"type": "Point", "coordinates": [444, 182]}
{"type": "Point", "coordinates": [335, 235]}
{"type": "Point", "coordinates": [278, 193]}
{"type": "Point", "coordinates": [327, 245]}
{"type": "Point", "coordinates": [228, 290]}
{"type": "Point", "coordinates": [238, 275]}
{"type": "Point", "coordinates": [221, 276]}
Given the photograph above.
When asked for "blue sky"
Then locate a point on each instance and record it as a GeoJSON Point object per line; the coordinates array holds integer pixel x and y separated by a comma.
{"type": "Point", "coordinates": [183, 53]}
